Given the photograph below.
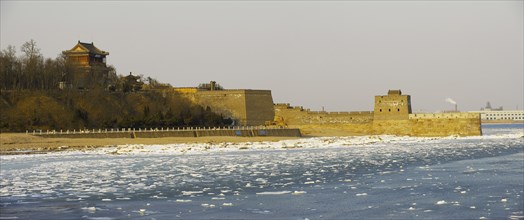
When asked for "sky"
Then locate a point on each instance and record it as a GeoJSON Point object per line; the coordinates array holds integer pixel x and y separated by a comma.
{"type": "Point", "coordinates": [335, 55]}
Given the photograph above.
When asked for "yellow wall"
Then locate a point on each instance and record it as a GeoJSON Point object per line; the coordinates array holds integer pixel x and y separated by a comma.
{"type": "Point", "coordinates": [246, 107]}
{"type": "Point", "coordinates": [259, 107]}
{"type": "Point", "coordinates": [364, 123]}
{"type": "Point", "coordinates": [186, 90]}
{"type": "Point", "coordinates": [300, 116]}
{"type": "Point", "coordinates": [255, 107]}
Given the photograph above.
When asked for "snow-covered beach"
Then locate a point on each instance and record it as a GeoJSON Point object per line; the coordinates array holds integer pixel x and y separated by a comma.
{"type": "Point", "coordinates": [325, 177]}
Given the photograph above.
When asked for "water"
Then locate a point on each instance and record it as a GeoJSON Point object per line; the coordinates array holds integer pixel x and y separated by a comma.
{"type": "Point", "coordinates": [330, 178]}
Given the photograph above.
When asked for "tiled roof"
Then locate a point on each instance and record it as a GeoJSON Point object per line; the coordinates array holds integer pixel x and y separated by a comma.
{"type": "Point", "coordinates": [91, 48]}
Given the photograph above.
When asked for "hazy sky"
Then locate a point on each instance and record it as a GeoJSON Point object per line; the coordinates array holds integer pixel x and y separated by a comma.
{"type": "Point", "coordinates": [336, 54]}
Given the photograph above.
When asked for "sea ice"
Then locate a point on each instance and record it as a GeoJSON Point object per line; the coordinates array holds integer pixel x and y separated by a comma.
{"type": "Point", "coordinates": [274, 193]}
{"type": "Point", "coordinates": [441, 202]}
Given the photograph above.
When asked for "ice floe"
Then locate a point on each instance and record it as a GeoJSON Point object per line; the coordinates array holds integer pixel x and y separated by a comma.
{"type": "Point", "coordinates": [274, 193]}
{"type": "Point", "coordinates": [222, 175]}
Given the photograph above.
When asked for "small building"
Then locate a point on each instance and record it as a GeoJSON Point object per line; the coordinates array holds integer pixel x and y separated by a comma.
{"type": "Point", "coordinates": [86, 55]}
{"type": "Point", "coordinates": [211, 86]}
{"type": "Point", "coordinates": [132, 83]}
{"type": "Point", "coordinates": [88, 65]}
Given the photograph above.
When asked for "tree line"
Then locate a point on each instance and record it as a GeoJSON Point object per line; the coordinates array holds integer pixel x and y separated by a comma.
{"type": "Point", "coordinates": [30, 70]}
{"type": "Point", "coordinates": [30, 98]}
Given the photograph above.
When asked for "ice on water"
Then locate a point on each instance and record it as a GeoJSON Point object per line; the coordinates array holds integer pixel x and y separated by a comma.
{"type": "Point", "coordinates": [232, 175]}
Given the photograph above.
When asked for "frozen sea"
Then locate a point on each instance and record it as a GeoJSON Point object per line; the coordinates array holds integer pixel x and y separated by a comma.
{"type": "Point", "coordinates": [368, 177]}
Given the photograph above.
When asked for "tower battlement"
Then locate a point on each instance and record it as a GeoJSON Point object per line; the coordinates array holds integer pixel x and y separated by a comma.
{"type": "Point", "coordinates": [393, 106]}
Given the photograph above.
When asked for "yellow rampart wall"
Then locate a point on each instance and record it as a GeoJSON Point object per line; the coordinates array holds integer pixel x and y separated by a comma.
{"type": "Point", "coordinates": [255, 107]}
{"type": "Point", "coordinates": [259, 107]}
{"type": "Point", "coordinates": [245, 107]}
{"type": "Point", "coordinates": [186, 90]}
{"type": "Point", "coordinates": [321, 122]}
{"type": "Point", "coordinates": [300, 116]}
{"type": "Point", "coordinates": [463, 126]}
{"type": "Point", "coordinates": [427, 125]}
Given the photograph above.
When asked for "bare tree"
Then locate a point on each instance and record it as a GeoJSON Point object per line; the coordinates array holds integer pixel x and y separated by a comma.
{"type": "Point", "coordinates": [33, 65]}
{"type": "Point", "coordinates": [8, 67]}
{"type": "Point", "coordinates": [30, 50]}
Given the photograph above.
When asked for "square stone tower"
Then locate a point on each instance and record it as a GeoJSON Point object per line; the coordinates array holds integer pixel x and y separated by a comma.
{"type": "Point", "coordinates": [393, 106]}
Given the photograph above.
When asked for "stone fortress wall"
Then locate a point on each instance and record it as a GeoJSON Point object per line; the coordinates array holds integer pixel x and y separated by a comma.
{"type": "Point", "coordinates": [300, 116]}
{"type": "Point", "coordinates": [357, 123]}
{"type": "Point", "coordinates": [246, 107]}
{"type": "Point", "coordinates": [461, 124]}
{"type": "Point", "coordinates": [392, 115]}
{"type": "Point", "coordinates": [464, 125]}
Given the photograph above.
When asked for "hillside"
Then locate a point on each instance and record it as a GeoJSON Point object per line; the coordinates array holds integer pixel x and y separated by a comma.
{"type": "Point", "coordinates": [23, 110]}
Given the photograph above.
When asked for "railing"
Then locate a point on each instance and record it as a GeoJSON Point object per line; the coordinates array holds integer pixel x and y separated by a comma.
{"type": "Point", "coordinates": [163, 131]}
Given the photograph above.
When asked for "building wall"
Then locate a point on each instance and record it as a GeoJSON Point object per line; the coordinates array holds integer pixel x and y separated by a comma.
{"type": "Point", "coordinates": [229, 103]}
{"type": "Point", "coordinates": [515, 115]}
{"type": "Point", "coordinates": [259, 107]}
{"type": "Point", "coordinates": [80, 60]}
{"type": "Point", "coordinates": [87, 75]}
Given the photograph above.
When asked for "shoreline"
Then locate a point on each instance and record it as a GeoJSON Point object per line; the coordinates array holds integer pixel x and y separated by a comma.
{"type": "Point", "coordinates": [22, 143]}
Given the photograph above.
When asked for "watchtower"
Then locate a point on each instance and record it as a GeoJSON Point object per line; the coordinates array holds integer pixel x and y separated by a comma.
{"type": "Point", "coordinates": [86, 55]}
{"type": "Point", "coordinates": [393, 106]}
{"type": "Point", "coordinates": [89, 63]}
